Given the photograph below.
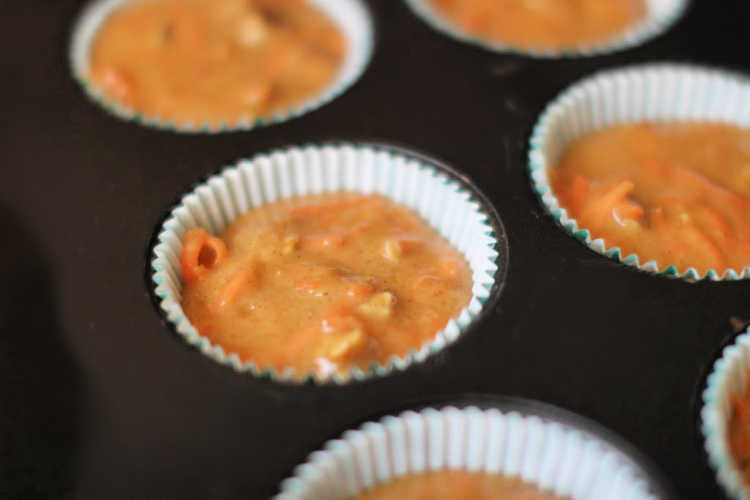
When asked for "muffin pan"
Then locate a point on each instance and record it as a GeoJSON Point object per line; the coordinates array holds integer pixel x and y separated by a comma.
{"type": "Point", "coordinates": [99, 400]}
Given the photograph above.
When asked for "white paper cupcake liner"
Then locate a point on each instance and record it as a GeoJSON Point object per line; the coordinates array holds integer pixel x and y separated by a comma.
{"type": "Point", "coordinates": [448, 202]}
{"type": "Point", "coordinates": [653, 92]}
{"type": "Point", "coordinates": [661, 15]}
{"type": "Point", "coordinates": [729, 376]}
{"type": "Point", "coordinates": [351, 16]}
{"type": "Point", "coordinates": [552, 455]}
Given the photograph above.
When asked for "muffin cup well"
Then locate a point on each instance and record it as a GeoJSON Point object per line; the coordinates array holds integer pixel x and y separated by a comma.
{"type": "Point", "coordinates": [446, 200]}
{"type": "Point", "coordinates": [351, 16]}
{"type": "Point", "coordinates": [729, 376]}
{"type": "Point", "coordinates": [539, 449]}
{"type": "Point", "coordinates": [652, 92]}
{"type": "Point", "coordinates": [661, 15]}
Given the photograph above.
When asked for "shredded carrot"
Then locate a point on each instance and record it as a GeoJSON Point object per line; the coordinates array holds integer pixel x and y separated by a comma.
{"type": "Point", "coordinates": [213, 251]}
{"type": "Point", "coordinates": [360, 289]}
{"type": "Point", "coordinates": [201, 252]}
{"type": "Point", "coordinates": [628, 210]}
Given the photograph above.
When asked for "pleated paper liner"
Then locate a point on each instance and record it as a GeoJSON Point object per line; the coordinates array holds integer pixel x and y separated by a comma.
{"type": "Point", "coordinates": [448, 201]}
{"type": "Point", "coordinates": [544, 448]}
{"type": "Point", "coordinates": [660, 16]}
{"type": "Point", "coordinates": [651, 92]}
{"type": "Point", "coordinates": [729, 376]}
{"type": "Point", "coordinates": [351, 16]}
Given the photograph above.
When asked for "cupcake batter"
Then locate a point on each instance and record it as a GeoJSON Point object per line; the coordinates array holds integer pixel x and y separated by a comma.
{"type": "Point", "coordinates": [543, 24]}
{"type": "Point", "coordinates": [456, 485]}
{"type": "Point", "coordinates": [323, 283]}
{"type": "Point", "coordinates": [739, 432]}
{"type": "Point", "coordinates": [214, 61]}
{"type": "Point", "coordinates": [677, 193]}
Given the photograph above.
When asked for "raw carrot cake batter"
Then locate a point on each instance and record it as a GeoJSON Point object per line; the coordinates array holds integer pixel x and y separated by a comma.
{"type": "Point", "coordinates": [456, 485]}
{"type": "Point", "coordinates": [677, 193]}
{"type": "Point", "coordinates": [739, 432]}
{"type": "Point", "coordinates": [543, 24]}
{"type": "Point", "coordinates": [323, 283]}
{"type": "Point", "coordinates": [213, 61]}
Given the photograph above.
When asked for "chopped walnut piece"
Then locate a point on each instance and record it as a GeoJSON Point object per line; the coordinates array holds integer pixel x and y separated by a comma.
{"type": "Point", "coordinates": [346, 343]}
{"type": "Point", "coordinates": [379, 306]}
{"type": "Point", "coordinates": [392, 250]}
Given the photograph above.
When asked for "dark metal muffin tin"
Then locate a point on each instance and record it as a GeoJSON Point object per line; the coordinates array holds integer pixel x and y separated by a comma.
{"type": "Point", "coordinates": [99, 400]}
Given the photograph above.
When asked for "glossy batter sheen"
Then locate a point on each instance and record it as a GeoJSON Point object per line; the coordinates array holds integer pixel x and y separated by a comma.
{"type": "Point", "coordinates": [323, 283]}
{"type": "Point", "coordinates": [739, 432]}
{"type": "Point", "coordinates": [543, 24]}
{"type": "Point", "coordinates": [213, 61]}
{"type": "Point", "coordinates": [456, 485]}
{"type": "Point", "coordinates": [675, 193]}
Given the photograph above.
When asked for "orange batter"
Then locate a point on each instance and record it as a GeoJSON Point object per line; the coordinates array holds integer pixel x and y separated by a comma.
{"type": "Point", "coordinates": [323, 283]}
{"type": "Point", "coordinates": [677, 193]}
{"type": "Point", "coordinates": [455, 485]}
{"type": "Point", "coordinates": [739, 432]}
{"type": "Point", "coordinates": [213, 61]}
{"type": "Point", "coordinates": [543, 24]}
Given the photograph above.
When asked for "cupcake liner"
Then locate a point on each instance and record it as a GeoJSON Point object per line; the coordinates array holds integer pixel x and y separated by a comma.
{"type": "Point", "coordinates": [652, 92]}
{"type": "Point", "coordinates": [551, 454]}
{"type": "Point", "coordinates": [447, 201]}
{"type": "Point", "coordinates": [351, 16]}
{"type": "Point", "coordinates": [729, 376]}
{"type": "Point", "coordinates": [661, 15]}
